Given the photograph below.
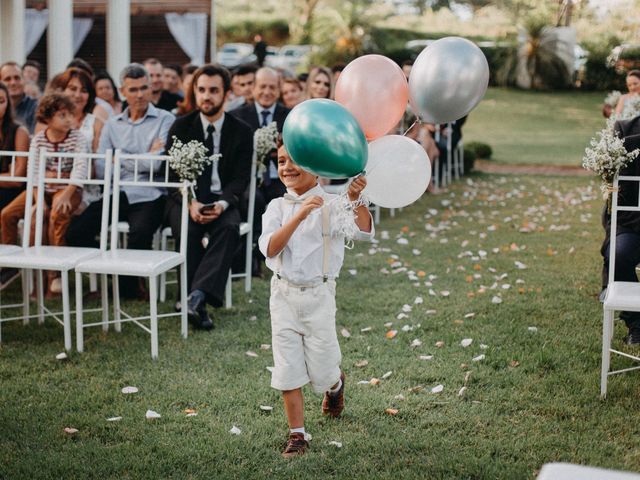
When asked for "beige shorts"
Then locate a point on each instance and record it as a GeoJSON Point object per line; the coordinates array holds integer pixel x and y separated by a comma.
{"type": "Point", "coordinates": [303, 336]}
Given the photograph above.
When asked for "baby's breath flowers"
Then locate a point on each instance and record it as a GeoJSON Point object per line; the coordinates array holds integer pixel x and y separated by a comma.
{"type": "Point", "coordinates": [189, 160]}
{"type": "Point", "coordinates": [266, 140]}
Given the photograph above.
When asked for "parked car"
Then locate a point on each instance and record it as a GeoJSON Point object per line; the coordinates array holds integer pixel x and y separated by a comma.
{"type": "Point", "coordinates": [290, 57]}
{"type": "Point", "coordinates": [234, 54]}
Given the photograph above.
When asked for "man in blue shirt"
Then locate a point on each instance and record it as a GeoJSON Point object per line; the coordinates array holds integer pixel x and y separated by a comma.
{"type": "Point", "coordinates": [24, 106]}
{"type": "Point", "coordinates": [141, 128]}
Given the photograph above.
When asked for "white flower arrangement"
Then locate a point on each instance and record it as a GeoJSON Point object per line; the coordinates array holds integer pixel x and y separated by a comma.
{"type": "Point", "coordinates": [613, 98]}
{"type": "Point", "coordinates": [266, 140]}
{"type": "Point", "coordinates": [606, 156]}
{"type": "Point", "coordinates": [631, 108]}
{"type": "Point", "coordinates": [189, 160]}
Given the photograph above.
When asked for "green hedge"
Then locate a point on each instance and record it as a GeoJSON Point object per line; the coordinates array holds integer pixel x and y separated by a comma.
{"type": "Point", "coordinates": [598, 75]}
{"type": "Point", "coordinates": [469, 159]}
{"type": "Point", "coordinates": [274, 32]}
{"type": "Point", "coordinates": [481, 150]}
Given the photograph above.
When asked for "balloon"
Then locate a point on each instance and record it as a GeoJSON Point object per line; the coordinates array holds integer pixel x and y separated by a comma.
{"type": "Point", "coordinates": [375, 90]}
{"type": "Point", "coordinates": [448, 79]}
{"type": "Point", "coordinates": [398, 171]}
{"type": "Point", "coordinates": [323, 137]}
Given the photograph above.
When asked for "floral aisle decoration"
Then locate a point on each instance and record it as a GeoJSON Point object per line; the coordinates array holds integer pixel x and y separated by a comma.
{"type": "Point", "coordinates": [605, 156]}
{"type": "Point", "coordinates": [266, 139]}
{"type": "Point", "coordinates": [189, 160]}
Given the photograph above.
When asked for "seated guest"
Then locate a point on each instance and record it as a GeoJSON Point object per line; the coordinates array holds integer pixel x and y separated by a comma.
{"type": "Point", "coordinates": [292, 92]}
{"type": "Point", "coordinates": [57, 112]}
{"type": "Point", "coordinates": [24, 107]}
{"type": "Point", "coordinates": [185, 106]}
{"type": "Point", "coordinates": [319, 83]}
{"type": "Point", "coordinates": [13, 137]}
{"type": "Point", "coordinates": [160, 97]}
{"type": "Point", "coordinates": [31, 71]}
{"type": "Point", "coordinates": [628, 230]}
{"type": "Point", "coordinates": [214, 217]}
{"type": "Point", "coordinates": [107, 93]}
{"type": "Point", "coordinates": [172, 79]}
{"type": "Point", "coordinates": [141, 128]}
{"type": "Point", "coordinates": [261, 113]}
{"type": "Point", "coordinates": [242, 82]}
{"type": "Point", "coordinates": [101, 108]}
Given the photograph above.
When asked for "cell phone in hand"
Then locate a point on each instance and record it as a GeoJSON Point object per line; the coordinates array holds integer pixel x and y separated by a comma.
{"type": "Point", "coordinates": [207, 208]}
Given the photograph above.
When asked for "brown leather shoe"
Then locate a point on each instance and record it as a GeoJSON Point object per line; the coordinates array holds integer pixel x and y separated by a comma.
{"type": "Point", "coordinates": [296, 445]}
{"type": "Point", "coordinates": [333, 403]}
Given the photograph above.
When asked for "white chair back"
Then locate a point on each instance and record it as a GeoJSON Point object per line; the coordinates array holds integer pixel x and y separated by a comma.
{"type": "Point", "coordinates": [615, 208]}
{"type": "Point", "coordinates": [40, 162]}
{"type": "Point", "coordinates": [148, 171]}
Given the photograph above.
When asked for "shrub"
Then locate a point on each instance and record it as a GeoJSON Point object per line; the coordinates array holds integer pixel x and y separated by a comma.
{"type": "Point", "coordinates": [469, 159]}
{"type": "Point", "coordinates": [503, 60]}
{"type": "Point", "coordinates": [481, 150]}
{"type": "Point", "coordinates": [275, 32]}
{"type": "Point", "coordinates": [599, 74]}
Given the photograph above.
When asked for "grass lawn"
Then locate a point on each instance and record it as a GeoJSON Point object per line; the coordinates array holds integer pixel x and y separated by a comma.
{"type": "Point", "coordinates": [509, 262]}
{"type": "Point", "coordinates": [535, 128]}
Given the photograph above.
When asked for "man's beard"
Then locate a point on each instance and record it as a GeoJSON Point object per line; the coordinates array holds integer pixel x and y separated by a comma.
{"type": "Point", "coordinates": [213, 110]}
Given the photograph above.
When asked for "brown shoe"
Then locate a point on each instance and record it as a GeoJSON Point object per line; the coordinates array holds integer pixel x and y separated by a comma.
{"type": "Point", "coordinates": [333, 403]}
{"type": "Point", "coordinates": [295, 446]}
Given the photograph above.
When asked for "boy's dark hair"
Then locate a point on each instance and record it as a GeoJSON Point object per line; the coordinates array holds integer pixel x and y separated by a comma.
{"type": "Point", "coordinates": [82, 65]}
{"type": "Point", "coordinates": [338, 67]}
{"type": "Point", "coordinates": [407, 63]}
{"type": "Point", "coordinates": [210, 70]}
{"type": "Point", "coordinates": [175, 67]}
{"type": "Point", "coordinates": [279, 142]}
{"type": "Point", "coordinates": [245, 69]}
{"type": "Point", "coordinates": [50, 104]}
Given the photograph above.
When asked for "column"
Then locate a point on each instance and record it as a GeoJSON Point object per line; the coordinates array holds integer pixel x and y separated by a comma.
{"type": "Point", "coordinates": [214, 33]}
{"type": "Point", "coordinates": [118, 20]}
{"type": "Point", "coordinates": [59, 36]}
{"type": "Point", "coordinates": [12, 31]}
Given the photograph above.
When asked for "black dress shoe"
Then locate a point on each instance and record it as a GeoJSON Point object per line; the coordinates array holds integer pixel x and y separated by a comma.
{"type": "Point", "coordinates": [633, 338]}
{"type": "Point", "coordinates": [197, 311]}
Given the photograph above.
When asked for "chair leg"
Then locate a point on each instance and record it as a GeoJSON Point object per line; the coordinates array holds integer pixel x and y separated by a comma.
{"type": "Point", "coordinates": [93, 282]}
{"type": "Point", "coordinates": [163, 275]}
{"type": "Point", "coordinates": [66, 310]}
{"type": "Point", "coordinates": [104, 291]}
{"type": "Point", "coordinates": [247, 266]}
{"type": "Point", "coordinates": [153, 313]}
{"type": "Point", "coordinates": [607, 334]}
{"type": "Point", "coordinates": [227, 293]}
{"type": "Point", "coordinates": [25, 295]}
{"type": "Point", "coordinates": [183, 299]}
{"type": "Point", "coordinates": [376, 214]}
{"type": "Point", "coordinates": [116, 301]}
{"type": "Point", "coordinates": [40, 295]}
{"type": "Point", "coordinates": [79, 314]}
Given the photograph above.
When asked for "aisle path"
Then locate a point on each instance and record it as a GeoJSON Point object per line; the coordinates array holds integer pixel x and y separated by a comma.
{"type": "Point", "coordinates": [487, 166]}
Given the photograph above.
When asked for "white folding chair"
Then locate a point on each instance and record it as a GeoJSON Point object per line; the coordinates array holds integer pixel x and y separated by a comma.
{"type": "Point", "coordinates": [459, 158]}
{"type": "Point", "coordinates": [246, 229]}
{"type": "Point", "coordinates": [139, 263]}
{"type": "Point", "coordinates": [49, 257]}
{"type": "Point", "coordinates": [12, 177]}
{"type": "Point", "coordinates": [619, 295]}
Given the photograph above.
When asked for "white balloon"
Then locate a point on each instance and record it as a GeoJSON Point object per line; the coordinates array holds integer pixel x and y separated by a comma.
{"type": "Point", "coordinates": [447, 80]}
{"type": "Point", "coordinates": [398, 171]}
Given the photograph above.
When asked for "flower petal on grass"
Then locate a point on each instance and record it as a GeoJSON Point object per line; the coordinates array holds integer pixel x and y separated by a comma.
{"type": "Point", "coordinates": [365, 329]}
{"type": "Point", "coordinates": [70, 430]}
{"type": "Point", "coordinates": [362, 363]}
{"type": "Point", "coordinates": [439, 344]}
{"type": "Point", "coordinates": [345, 333]}
{"type": "Point", "coordinates": [437, 389]}
{"type": "Point", "coordinates": [250, 353]}
{"type": "Point", "coordinates": [425, 357]}
{"type": "Point", "coordinates": [391, 334]}
{"type": "Point", "coordinates": [114, 419]}
{"type": "Point", "coordinates": [335, 443]}
{"type": "Point", "coordinates": [391, 411]}
{"type": "Point", "coordinates": [266, 408]}
{"type": "Point", "coordinates": [466, 342]}
{"type": "Point", "coordinates": [532, 329]}
{"type": "Point", "coordinates": [416, 343]}
{"type": "Point", "coordinates": [497, 300]}
{"type": "Point", "coordinates": [387, 375]}
{"type": "Point", "coordinates": [235, 430]}
{"type": "Point", "coordinates": [265, 346]}
{"type": "Point", "coordinates": [61, 356]}
{"type": "Point", "coordinates": [462, 391]}
{"type": "Point", "coordinates": [129, 390]}
{"type": "Point", "coordinates": [478, 358]}
{"type": "Point", "coordinates": [150, 415]}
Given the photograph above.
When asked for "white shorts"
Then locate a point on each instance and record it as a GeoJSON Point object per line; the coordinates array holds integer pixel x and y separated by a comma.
{"type": "Point", "coordinates": [303, 336]}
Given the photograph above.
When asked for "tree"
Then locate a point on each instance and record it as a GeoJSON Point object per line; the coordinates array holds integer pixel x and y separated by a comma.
{"type": "Point", "coordinates": [301, 23]}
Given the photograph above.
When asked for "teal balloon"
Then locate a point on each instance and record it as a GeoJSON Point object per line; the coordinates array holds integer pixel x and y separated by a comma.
{"type": "Point", "coordinates": [324, 138]}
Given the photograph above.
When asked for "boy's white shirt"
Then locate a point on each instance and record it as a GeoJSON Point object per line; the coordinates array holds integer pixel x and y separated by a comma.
{"type": "Point", "coordinates": [301, 259]}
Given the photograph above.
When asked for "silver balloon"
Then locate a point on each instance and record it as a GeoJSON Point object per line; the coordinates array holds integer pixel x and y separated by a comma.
{"type": "Point", "coordinates": [448, 79]}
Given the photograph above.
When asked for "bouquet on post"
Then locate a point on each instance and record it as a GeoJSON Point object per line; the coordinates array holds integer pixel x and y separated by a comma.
{"type": "Point", "coordinates": [189, 161]}
{"type": "Point", "coordinates": [266, 140]}
{"type": "Point", "coordinates": [606, 156]}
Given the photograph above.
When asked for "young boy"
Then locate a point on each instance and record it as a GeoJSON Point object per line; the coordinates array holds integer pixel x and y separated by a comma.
{"type": "Point", "coordinates": [56, 111]}
{"type": "Point", "coordinates": [306, 257]}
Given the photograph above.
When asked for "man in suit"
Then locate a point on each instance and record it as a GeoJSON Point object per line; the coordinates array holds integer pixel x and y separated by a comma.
{"type": "Point", "coordinates": [264, 110]}
{"type": "Point", "coordinates": [628, 231]}
{"type": "Point", "coordinates": [214, 217]}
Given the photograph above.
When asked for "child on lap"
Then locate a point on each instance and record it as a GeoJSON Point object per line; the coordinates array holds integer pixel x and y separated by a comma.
{"type": "Point", "coordinates": [306, 258]}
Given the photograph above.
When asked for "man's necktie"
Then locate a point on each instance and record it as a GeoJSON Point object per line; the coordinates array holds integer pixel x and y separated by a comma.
{"type": "Point", "coordinates": [265, 116]}
{"type": "Point", "coordinates": [209, 140]}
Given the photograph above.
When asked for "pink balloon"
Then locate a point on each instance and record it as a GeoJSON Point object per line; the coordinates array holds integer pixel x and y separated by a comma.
{"type": "Point", "coordinates": [375, 90]}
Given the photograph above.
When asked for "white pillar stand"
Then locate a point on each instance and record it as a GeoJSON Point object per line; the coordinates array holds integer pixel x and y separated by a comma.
{"type": "Point", "coordinates": [118, 37]}
{"type": "Point", "coordinates": [59, 36]}
{"type": "Point", "coordinates": [12, 14]}
{"type": "Point", "coordinates": [214, 32]}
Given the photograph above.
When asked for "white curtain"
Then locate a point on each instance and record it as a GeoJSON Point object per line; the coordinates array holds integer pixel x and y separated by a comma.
{"type": "Point", "coordinates": [35, 23]}
{"type": "Point", "coordinates": [190, 32]}
{"type": "Point", "coordinates": [81, 28]}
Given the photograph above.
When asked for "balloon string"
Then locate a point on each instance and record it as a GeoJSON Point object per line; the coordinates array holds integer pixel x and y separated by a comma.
{"type": "Point", "coordinates": [408, 129]}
